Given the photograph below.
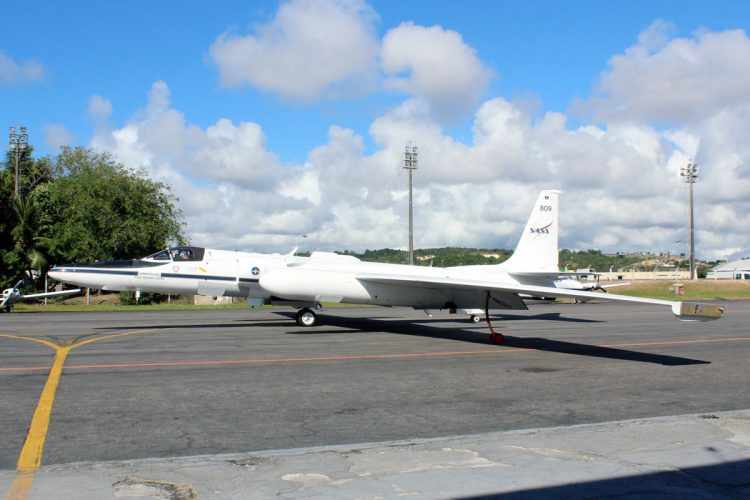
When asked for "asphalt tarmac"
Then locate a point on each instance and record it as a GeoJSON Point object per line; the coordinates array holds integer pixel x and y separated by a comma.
{"type": "Point", "coordinates": [140, 385]}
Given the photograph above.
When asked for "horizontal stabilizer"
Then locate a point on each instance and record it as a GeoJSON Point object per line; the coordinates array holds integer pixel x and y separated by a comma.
{"type": "Point", "coordinates": [693, 311]}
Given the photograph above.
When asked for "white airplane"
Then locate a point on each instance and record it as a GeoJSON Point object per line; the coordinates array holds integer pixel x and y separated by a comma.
{"type": "Point", "coordinates": [187, 270]}
{"type": "Point", "coordinates": [575, 284]}
{"type": "Point", "coordinates": [531, 270]}
{"type": "Point", "coordinates": [14, 295]}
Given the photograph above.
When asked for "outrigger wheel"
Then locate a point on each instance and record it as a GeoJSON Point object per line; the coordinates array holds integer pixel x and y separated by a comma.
{"type": "Point", "coordinates": [495, 338]}
{"type": "Point", "coordinates": [306, 317]}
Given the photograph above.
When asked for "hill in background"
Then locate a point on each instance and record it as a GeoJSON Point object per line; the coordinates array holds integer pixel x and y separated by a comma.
{"type": "Point", "coordinates": [569, 259]}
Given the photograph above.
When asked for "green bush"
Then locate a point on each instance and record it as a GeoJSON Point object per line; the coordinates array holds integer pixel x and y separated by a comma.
{"type": "Point", "coordinates": [128, 298]}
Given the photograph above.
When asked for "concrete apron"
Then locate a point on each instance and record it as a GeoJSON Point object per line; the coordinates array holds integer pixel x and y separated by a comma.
{"type": "Point", "coordinates": [690, 456]}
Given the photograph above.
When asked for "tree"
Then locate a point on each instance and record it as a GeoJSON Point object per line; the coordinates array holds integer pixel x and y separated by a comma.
{"type": "Point", "coordinates": [27, 249]}
{"type": "Point", "coordinates": [81, 206]}
{"type": "Point", "coordinates": [20, 249]}
{"type": "Point", "coordinates": [96, 209]}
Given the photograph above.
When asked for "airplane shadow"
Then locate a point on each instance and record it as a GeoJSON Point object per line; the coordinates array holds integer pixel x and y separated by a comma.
{"type": "Point", "coordinates": [517, 317]}
{"type": "Point", "coordinates": [244, 324]}
{"type": "Point", "coordinates": [342, 325]}
{"type": "Point", "coordinates": [407, 327]}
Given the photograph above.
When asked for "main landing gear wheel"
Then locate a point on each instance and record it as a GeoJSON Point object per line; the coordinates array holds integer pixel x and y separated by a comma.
{"type": "Point", "coordinates": [306, 317]}
{"type": "Point", "coordinates": [475, 318]}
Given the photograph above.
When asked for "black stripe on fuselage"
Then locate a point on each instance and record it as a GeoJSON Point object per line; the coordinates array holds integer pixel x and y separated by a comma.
{"type": "Point", "coordinates": [96, 271]}
{"type": "Point", "coordinates": [163, 275]}
{"type": "Point", "coordinates": [116, 264]}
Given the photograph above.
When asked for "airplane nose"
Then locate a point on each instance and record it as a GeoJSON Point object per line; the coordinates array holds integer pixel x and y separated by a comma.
{"type": "Point", "coordinates": [71, 275]}
{"type": "Point", "coordinates": [63, 274]}
{"type": "Point", "coordinates": [59, 273]}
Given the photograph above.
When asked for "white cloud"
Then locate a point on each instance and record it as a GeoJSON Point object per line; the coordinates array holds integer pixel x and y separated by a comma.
{"type": "Point", "coordinates": [12, 71]}
{"type": "Point", "coordinates": [435, 64]}
{"type": "Point", "coordinates": [225, 178]}
{"type": "Point", "coordinates": [99, 108]}
{"type": "Point", "coordinates": [56, 136]}
{"type": "Point", "coordinates": [620, 178]}
{"type": "Point", "coordinates": [674, 80]}
{"type": "Point", "coordinates": [328, 48]}
{"type": "Point", "coordinates": [236, 153]}
{"type": "Point", "coordinates": [159, 135]}
{"type": "Point", "coordinates": [310, 48]}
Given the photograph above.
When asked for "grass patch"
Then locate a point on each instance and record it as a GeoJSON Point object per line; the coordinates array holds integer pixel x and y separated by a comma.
{"type": "Point", "coordinates": [114, 307]}
{"type": "Point", "coordinates": [694, 290]}
{"type": "Point", "coordinates": [105, 307]}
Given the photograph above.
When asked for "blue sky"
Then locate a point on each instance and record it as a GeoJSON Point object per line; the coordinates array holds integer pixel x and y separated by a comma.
{"type": "Point", "coordinates": [605, 100]}
{"type": "Point", "coordinates": [550, 50]}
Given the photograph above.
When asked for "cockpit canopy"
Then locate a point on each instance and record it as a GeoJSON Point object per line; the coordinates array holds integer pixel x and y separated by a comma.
{"type": "Point", "coordinates": [178, 254]}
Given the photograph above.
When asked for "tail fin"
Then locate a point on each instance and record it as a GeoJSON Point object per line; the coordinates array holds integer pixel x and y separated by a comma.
{"type": "Point", "coordinates": [537, 249]}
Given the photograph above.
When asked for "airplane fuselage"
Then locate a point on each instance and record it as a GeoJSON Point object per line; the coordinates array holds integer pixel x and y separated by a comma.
{"type": "Point", "coordinates": [204, 272]}
{"type": "Point", "coordinates": [327, 277]}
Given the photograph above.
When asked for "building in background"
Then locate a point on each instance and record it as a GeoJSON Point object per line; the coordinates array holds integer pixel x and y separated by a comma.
{"type": "Point", "coordinates": [643, 275]}
{"type": "Point", "coordinates": [735, 270]}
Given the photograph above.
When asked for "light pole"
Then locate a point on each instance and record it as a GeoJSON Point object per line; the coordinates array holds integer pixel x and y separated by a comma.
{"type": "Point", "coordinates": [410, 164]}
{"type": "Point", "coordinates": [18, 143]}
{"type": "Point", "coordinates": [689, 174]}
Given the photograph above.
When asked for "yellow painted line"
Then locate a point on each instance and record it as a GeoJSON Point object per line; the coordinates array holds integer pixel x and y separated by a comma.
{"type": "Point", "coordinates": [46, 342]}
{"type": "Point", "coordinates": [91, 340]}
{"type": "Point", "coordinates": [31, 454]}
{"type": "Point", "coordinates": [33, 447]}
{"type": "Point", "coordinates": [356, 357]}
{"type": "Point", "coordinates": [19, 489]}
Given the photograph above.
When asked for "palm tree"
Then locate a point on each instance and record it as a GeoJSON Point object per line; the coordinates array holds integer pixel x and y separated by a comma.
{"type": "Point", "coordinates": [24, 234]}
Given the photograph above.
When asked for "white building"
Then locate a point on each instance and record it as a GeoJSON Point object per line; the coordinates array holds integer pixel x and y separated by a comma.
{"type": "Point", "coordinates": [644, 275]}
{"type": "Point", "coordinates": [735, 270]}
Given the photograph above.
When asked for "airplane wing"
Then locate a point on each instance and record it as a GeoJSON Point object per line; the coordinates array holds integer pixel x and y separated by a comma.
{"type": "Point", "coordinates": [50, 294]}
{"type": "Point", "coordinates": [685, 311]}
{"type": "Point", "coordinates": [613, 285]}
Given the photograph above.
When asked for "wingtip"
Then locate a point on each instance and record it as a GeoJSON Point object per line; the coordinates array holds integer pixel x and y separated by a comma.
{"type": "Point", "coordinates": [695, 311]}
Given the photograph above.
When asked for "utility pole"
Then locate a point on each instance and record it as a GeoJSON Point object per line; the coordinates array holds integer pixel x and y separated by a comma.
{"type": "Point", "coordinates": [18, 143]}
{"type": "Point", "coordinates": [410, 164]}
{"type": "Point", "coordinates": [689, 174]}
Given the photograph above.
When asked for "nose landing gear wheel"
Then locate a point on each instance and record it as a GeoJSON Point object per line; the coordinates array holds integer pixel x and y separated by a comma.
{"type": "Point", "coordinates": [306, 317]}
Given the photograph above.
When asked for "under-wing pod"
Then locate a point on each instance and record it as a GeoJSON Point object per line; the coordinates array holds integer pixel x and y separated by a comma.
{"type": "Point", "coordinates": [694, 311]}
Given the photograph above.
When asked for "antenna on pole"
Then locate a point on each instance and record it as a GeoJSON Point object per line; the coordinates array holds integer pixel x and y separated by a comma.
{"type": "Point", "coordinates": [410, 163]}
{"type": "Point", "coordinates": [689, 174]}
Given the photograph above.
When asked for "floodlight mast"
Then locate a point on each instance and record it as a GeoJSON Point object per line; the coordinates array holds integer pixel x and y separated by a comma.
{"type": "Point", "coordinates": [689, 174]}
{"type": "Point", "coordinates": [410, 164]}
{"type": "Point", "coordinates": [18, 142]}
